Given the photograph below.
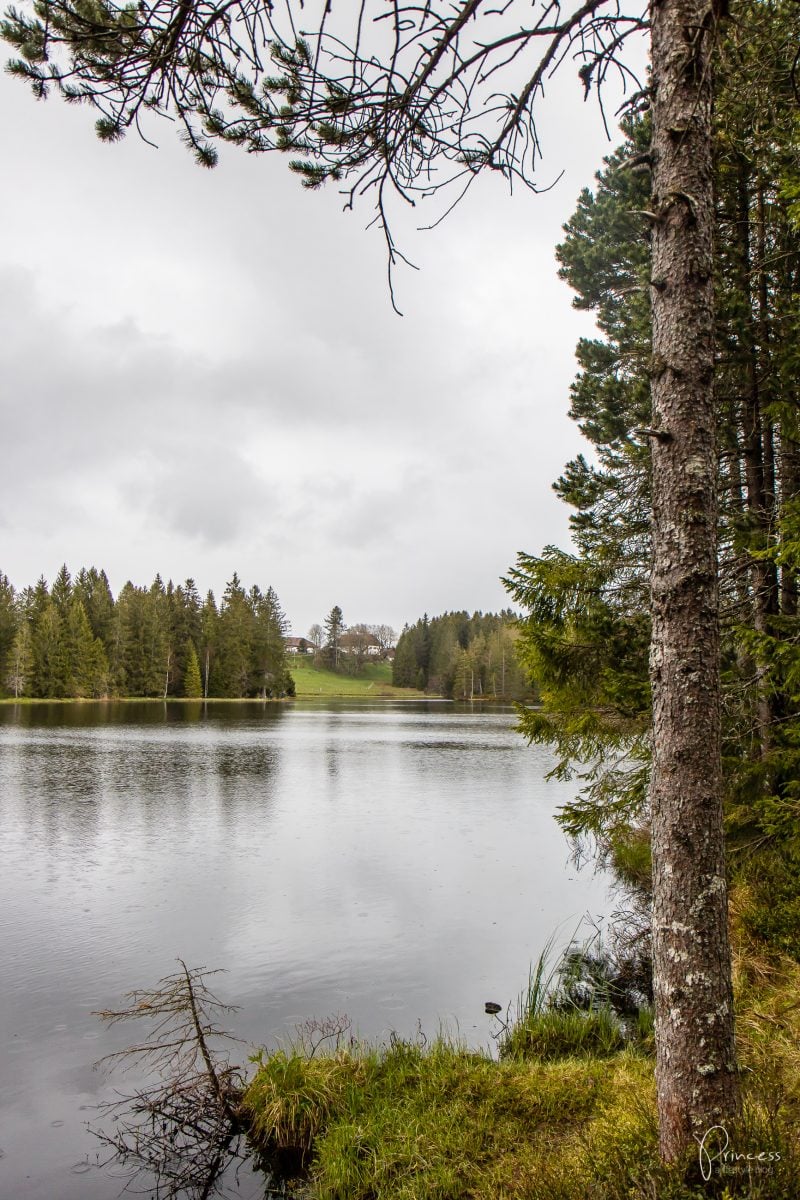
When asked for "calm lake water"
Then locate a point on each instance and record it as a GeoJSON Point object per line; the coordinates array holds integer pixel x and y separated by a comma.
{"type": "Point", "coordinates": [398, 862]}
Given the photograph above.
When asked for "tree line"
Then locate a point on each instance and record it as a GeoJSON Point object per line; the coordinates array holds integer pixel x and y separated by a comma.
{"type": "Point", "coordinates": [75, 639]}
{"type": "Point", "coordinates": [587, 629]}
{"type": "Point", "coordinates": [462, 657]}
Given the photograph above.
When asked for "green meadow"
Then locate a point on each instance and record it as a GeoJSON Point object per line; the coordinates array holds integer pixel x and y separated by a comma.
{"type": "Point", "coordinates": [373, 682]}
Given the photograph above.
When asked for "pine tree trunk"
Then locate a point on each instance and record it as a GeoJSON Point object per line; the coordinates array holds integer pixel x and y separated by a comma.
{"type": "Point", "coordinates": [695, 1067]}
{"type": "Point", "coordinates": [790, 488]}
{"type": "Point", "coordinates": [762, 573]}
{"type": "Point", "coordinates": [771, 603]}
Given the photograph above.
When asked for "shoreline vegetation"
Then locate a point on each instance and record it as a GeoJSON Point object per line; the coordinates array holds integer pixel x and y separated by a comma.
{"type": "Point", "coordinates": [374, 682]}
{"type": "Point", "coordinates": [464, 656]}
{"type": "Point", "coordinates": [565, 1108]}
{"type": "Point", "coordinates": [75, 640]}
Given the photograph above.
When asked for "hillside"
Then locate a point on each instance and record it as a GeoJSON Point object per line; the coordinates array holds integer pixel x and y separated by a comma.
{"type": "Point", "coordinates": [373, 682]}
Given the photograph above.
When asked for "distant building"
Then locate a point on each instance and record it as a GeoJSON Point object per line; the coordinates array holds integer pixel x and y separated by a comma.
{"type": "Point", "coordinates": [360, 643]}
{"type": "Point", "coordinates": [296, 645]}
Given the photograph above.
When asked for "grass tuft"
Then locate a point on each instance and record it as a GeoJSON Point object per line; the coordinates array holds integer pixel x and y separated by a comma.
{"type": "Point", "coordinates": [579, 1007]}
{"type": "Point", "coordinates": [557, 1034]}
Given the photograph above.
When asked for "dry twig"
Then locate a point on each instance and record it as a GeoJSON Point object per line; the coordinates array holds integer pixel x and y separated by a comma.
{"type": "Point", "coordinates": [180, 1132]}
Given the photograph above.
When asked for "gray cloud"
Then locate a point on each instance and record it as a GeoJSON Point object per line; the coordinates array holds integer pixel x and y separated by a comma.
{"type": "Point", "coordinates": [202, 372]}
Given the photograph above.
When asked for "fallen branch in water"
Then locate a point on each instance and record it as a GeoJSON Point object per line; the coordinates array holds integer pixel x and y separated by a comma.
{"type": "Point", "coordinates": [181, 1132]}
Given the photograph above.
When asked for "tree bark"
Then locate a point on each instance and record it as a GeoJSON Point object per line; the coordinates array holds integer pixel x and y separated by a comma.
{"type": "Point", "coordinates": [695, 1058]}
{"type": "Point", "coordinates": [790, 488]}
{"type": "Point", "coordinates": [757, 439]}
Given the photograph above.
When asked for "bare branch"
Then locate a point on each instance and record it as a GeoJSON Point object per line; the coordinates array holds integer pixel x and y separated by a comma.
{"type": "Point", "coordinates": [179, 1133]}
{"type": "Point", "coordinates": [400, 99]}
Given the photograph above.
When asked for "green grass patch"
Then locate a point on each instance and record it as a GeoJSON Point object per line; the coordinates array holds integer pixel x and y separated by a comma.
{"type": "Point", "coordinates": [429, 1123]}
{"type": "Point", "coordinates": [438, 1122]}
{"type": "Point", "coordinates": [555, 1034]}
{"type": "Point", "coordinates": [567, 1113]}
{"type": "Point", "coordinates": [374, 681]}
{"type": "Point", "coordinates": [576, 1008]}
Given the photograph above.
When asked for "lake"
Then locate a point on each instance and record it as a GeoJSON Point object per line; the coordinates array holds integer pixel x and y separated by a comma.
{"type": "Point", "coordinates": [398, 862]}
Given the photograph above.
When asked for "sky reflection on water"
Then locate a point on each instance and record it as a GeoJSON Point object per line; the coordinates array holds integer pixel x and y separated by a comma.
{"type": "Point", "coordinates": [397, 862]}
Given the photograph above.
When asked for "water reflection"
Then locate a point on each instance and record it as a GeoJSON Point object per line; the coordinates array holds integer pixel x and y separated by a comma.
{"type": "Point", "coordinates": [136, 833]}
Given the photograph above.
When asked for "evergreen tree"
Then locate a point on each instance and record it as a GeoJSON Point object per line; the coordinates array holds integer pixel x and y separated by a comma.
{"type": "Point", "coordinates": [588, 628]}
{"type": "Point", "coordinates": [192, 683]}
{"type": "Point", "coordinates": [145, 647]}
{"type": "Point", "coordinates": [50, 661]}
{"type": "Point", "coordinates": [19, 669]}
{"type": "Point", "coordinates": [9, 616]}
{"type": "Point", "coordinates": [442, 657]}
{"type": "Point", "coordinates": [86, 662]}
{"type": "Point", "coordinates": [95, 678]}
{"type": "Point", "coordinates": [334, 627]}
{"type": "Point", "coordinates": [404, 667]}
{"type": "Point", "coordinates": [115, 646]}
{"type": "Point", "coordinates": [269, 672]}
{"type": "Point", "coordinates": [231, 669]}
{"type": "Point", "coordinates": [78, 643]}
{"type": "Point", "coordinates": [159, 631]}
{"type": "Point", "coordinates": [587, 632]}
{"type": "Point", "coordinates": [37, 599]}
{"type": "Point", "coordinates": [61, 591]}
{"type": "Point", "coordinates": [209, 621]}
{"type": "Point", "coordinates": [185, 629]}
{"type": "Point", "coordinates": [92, 588]}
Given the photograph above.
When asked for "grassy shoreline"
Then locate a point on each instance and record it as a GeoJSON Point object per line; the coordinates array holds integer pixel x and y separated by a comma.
{"type": "Point", "coordinates": [566, 1112]}
{"type": "Point", "coordinates": [374, 682]}
{"type": "Point", "coordinates": [417, 1121]}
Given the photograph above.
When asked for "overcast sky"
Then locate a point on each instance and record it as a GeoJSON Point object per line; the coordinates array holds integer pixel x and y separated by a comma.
{"type": "Point", "coordinates": [201, 373]}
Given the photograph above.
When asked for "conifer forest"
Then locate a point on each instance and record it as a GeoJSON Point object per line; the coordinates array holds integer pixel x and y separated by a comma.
{"type": "Point", "coordinates": [463, 656]}
{"type": "Point", "coordinates": [75, 639]}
